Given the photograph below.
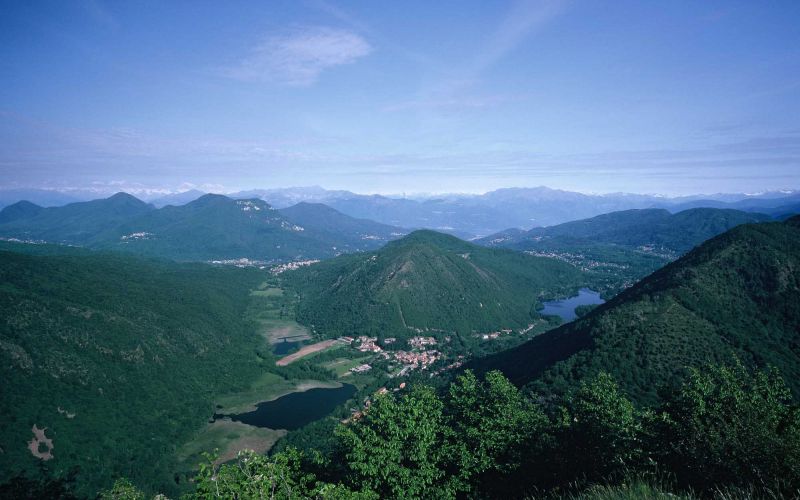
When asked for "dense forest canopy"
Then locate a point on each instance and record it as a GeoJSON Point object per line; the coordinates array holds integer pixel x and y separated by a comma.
{"type": "Point", "coordinates": [117, 358]}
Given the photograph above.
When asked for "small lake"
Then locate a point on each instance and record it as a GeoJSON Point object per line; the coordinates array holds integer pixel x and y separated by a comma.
{"type": "Point", "coordinates": [284, 347]}
{"type": "Point", "coordinates": [294, 410]}
{"type": "Point", "coordinates": [565, 309]}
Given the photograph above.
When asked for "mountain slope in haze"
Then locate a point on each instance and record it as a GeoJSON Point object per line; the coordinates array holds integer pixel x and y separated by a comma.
{"type": "Point", "coordinates": [428, 280]}
{"type": "Point", "coordinates": [350, 232]}
{"type": "Point", "coordinates": [41, 197]}
{"type": "Point", "coordinates": [177, 199]}
{"type": "Point", "coordinates": [76, 223]}
{"type": "Point", "coordinates": [19, 210]}
{"type": "Point", "coordinates": [737, 294]}
{"type": "Point", "coordinates": [118, 358]}
{"type": "Point", "coordinates": [764, 203]}
{"type": "Point", "coordinates": [785, 211]}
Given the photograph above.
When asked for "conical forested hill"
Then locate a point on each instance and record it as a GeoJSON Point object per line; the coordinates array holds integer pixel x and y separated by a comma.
{"type": "Point", "coordinates": [737, 294]}
{"type": "Point", "coordinates": [19, 210]}
{"type": "Point", "coordinates": [428, 280]}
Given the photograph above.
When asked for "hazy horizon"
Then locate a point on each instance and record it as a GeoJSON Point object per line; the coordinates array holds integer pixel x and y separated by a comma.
{"type": "Point", "coordinates": [147, 194]}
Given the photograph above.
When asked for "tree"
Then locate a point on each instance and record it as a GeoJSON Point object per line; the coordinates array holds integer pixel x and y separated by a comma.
{"type": "Point", "coordinates": [727, 426]}
{"type": "Point", "coordinates": [279, 477]}
{"type": "Point", "coordinates": [398, 447]}
{"type": "Point", "coordinates": [494, 425]}
{"type": "Point", "coordinates": [123, 489]}
{"type": "Point", "coordinates": [602, 431]}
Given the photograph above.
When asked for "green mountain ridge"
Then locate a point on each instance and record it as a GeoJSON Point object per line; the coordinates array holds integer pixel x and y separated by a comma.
{"type": "Point", "coordinates": [678, 232]}
{"type": "Point", "coordinates": [736, 294]}
{"type": "Point", "coordinates": [212, 227]}
{"type": "Point", "coordinates": [76, 223]}
{"type": "Point", "coordinates": [428, 280]}
{"type": "Point", "coordinates": [619, 248]}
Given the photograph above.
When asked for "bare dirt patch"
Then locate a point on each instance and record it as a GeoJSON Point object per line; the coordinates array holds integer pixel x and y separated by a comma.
{"type": "Point", "coordinates": [305, 351]}
{"type": "Point", "coordinates": [39, 440]}
{"type": "Point", "coordinates": [228, 438]}
{"type": "Point", "coordinates": [276, 330]}
{"type": "Point", "coordinates": [253, 438]}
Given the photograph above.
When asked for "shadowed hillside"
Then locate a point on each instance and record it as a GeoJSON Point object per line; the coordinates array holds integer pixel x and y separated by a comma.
{"type": "Point", "coordinates": [737, 293]}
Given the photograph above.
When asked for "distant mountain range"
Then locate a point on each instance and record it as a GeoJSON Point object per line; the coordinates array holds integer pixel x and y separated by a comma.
{"type": "Point", "coordinates": [468, 216]}
{"type": "Point", "coordinates": [177, 199]}
{"type": "Point", "coordinates": [428, 281]}
{"type": "Point", "coordinates": [212, 227]}
{"type": "Point", "coordinates": [736, 294]}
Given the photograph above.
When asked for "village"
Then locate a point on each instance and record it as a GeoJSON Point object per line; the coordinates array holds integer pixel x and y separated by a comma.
{"type": "Point", "coordinates": [291, 266]}
{"type": "Point", "coordinates": [420, 356]}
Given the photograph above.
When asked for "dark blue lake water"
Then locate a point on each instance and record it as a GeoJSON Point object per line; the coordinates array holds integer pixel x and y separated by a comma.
{"type": "Point", "coordinates": [565, 309]}
{"type": "Point", "coordinates": [282, 348]}
{"type": "Point", "coordinates": [294, 410]}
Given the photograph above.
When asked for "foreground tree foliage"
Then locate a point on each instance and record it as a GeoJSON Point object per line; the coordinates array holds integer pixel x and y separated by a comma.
{"type": "Point", "coordinates": [399, 447]}
{"type": "Point", "coordinates": [725, 433]}
{"type": "Point", "coordinates": [728, 427]}
{"type": "Point", "coordinates": [601, 436]}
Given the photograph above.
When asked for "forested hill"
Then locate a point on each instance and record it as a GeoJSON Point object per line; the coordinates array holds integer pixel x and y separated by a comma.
{"type": "Point", "coordinates": [428, 280]}
{"type": "Point", "coordinates": [212, 227]}
{"type": "Point", "coordinates": [216, 227]}
{"type": "Point", "coordinates": [116, 358]}
{"type": "Point", "coordinates": [77, 223]}
{"type": "Point", "coordinates": [735, 294]}
{"type": "Point", "coordinates": [657, 228]}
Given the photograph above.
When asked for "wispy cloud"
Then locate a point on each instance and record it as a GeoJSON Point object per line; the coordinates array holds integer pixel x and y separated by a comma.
{"type": "Point", "coordinates": [454, 102]}
{"type": "Point", "coordinates": [521, 21]}
{"type": "Point", "coordinates": [457, 89]}
{"type": "Point", "coordinates": [299, 57]}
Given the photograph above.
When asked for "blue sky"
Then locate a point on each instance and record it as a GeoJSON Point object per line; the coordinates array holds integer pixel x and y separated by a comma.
{"type": "Point", "coordinates": [670, 97]}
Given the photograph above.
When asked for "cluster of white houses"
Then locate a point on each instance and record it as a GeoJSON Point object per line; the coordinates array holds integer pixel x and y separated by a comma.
{"type": "Point", "coordinates": [417, 358]}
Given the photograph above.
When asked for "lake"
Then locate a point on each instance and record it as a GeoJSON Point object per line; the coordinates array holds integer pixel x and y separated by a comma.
{"type": "Point", "coordinates": [294, 410]}
{"type": "Point", "coordinates": [565, 309]}
{"type": "Point", "coordinates": [284, 347]}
